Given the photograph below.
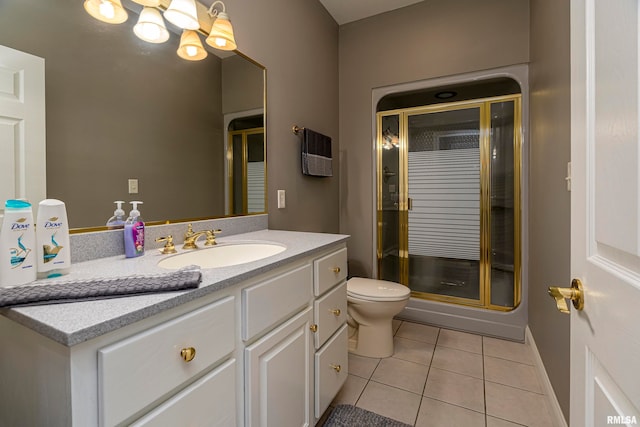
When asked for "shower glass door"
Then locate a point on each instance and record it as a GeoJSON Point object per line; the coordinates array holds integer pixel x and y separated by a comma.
{"type": "Point", "coordinates": [448, 201]}
{"type": "Point", "coordinates": [444, 215]}
{"type": "Point", "coordinates": [389, 257]}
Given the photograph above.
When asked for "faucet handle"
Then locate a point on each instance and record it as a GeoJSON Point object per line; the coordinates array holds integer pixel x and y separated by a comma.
{"type": "Point", "coordinates": [211, 237]}
{"type": "Point", "coordinates": [169, 247]}
{"type": "Point", "coordinates": [189, 231]}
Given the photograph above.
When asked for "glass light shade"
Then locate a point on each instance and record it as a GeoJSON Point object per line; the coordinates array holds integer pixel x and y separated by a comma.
{"type": "Point", "coordinates": [191, 47]}
{"type": "Point", "coordinates": [150, 26]}
{"type": "Point", "coordinates": [183, 14]}
{"type": "Point", "coordinates": [221, 34]}
{"type": "Point", "coordinates": [109, 11]}
{"type": "Point", "coordinates": [148, 3]}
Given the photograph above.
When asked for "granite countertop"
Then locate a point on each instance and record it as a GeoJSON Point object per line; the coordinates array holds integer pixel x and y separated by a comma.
{"type": "Point", "coordinates": [73, 323]}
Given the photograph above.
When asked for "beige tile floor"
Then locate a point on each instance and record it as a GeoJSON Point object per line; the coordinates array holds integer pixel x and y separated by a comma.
{"type": "Point", "coordinates": [439, 377]}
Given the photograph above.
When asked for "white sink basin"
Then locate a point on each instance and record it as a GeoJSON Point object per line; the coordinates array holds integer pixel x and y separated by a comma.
{"type": "Point", "coordinates": [223, 255]}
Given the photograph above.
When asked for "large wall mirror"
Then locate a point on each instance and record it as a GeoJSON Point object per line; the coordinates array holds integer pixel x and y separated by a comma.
{"type": "Point", "coordinates": [118, 108]}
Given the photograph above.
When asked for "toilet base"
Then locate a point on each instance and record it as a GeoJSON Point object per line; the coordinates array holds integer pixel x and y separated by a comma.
{"type": "Point", "coordinates": [373, 341]}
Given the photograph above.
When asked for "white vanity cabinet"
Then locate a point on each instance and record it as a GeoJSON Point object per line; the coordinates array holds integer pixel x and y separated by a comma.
{"type": "Point", "coordinates": [152, 372]}
{"type": "Point", "coordinates": [278, 375]}
{"type": "Point", "coordinates": [293, 372]}
{"type": "Point", "coordinates": [137, 371]}
{"type": "Point", "coordinates": [330, 316]}
{"type": "Point", "coordinates": [270, 350]}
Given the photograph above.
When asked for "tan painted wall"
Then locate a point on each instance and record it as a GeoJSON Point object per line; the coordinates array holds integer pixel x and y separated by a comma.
{"type": "Point", "coordinates": [242, 85]}
{"type": "Point", "coordinates": [297, 40]}
{"type": "Point", "coordinates": [430, 39]}
{"type": "Point", "coordinates": [549, 201]}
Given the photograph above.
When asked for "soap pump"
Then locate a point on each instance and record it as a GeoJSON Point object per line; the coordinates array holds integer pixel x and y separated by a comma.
{"type": "Point", "coordinates": [118, 218]}
{"type": "Point", "coordinates": [134, 233]}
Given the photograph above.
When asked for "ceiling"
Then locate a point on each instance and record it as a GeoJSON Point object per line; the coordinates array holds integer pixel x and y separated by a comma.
{"type": "Point", "coordinates": [344, 11]}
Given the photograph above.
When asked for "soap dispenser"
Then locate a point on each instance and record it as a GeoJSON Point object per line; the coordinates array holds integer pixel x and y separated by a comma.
{"type": "Point", "coordinates": [134, 233]}
{"type": "Point", "coordinates": [118, 218]}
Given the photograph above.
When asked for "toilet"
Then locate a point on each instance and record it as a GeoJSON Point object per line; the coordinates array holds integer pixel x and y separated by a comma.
{"type": "Point", "coordinates": [371, 305]}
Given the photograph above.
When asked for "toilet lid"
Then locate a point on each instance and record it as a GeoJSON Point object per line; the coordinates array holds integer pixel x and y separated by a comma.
{"type": "Point", "coordinates": [377, 290]}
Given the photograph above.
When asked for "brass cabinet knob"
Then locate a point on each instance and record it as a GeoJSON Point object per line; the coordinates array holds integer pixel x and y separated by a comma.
{"type": "Point", "coordinates": [336, 270]}
{"type": "Point", "coordinates": [314, 328]}
{"type": "Point", "coordinates": [336, 368]}
{"type": "Point", "coordinates": [336, 312]}
{"type": "Point", "coordinates": [188, 354]}
{"type": "Point", "coordinates": [575, 293]}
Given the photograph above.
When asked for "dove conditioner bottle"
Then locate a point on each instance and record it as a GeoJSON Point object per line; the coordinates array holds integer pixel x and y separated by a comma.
{"type": "Point", "coordinates": [17, 244]}
{"type": "Point", "coordinates": [52, 237]}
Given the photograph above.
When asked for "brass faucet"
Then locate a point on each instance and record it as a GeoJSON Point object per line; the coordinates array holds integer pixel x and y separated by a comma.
{"type": "Point", "coordinates": [190, 237]}
{"type": "Point", "coordinates": [169, 247]}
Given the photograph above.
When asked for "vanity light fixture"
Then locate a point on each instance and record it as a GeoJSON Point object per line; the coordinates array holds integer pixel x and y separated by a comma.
{"type": "Point", "coordinates": [150, 26]}
{"type": "Point", "coordinates": [221, 34]}
{"type": "Point", "coordinates": [183, 14]}
{"type": "Point", "coordinates": [109, 11]}
{"type": "Point", "coordinates": [191, 47]}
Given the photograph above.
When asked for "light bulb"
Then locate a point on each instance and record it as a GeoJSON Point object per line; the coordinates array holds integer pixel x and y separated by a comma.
{"type": "Point", "coordinates": [151, 31]}
{"type": "Point", "coordinates": [150, 26]}
{"type": "Point", "coordinates": [220, 42]}
{"type": "Point", "coordinates": [107, 10]}
{"type": "Point", "coordinates": [191, 50]}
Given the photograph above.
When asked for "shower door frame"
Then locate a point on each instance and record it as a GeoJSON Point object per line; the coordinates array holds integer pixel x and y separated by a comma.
{"type": "Point", "coordinates": [484, 106]}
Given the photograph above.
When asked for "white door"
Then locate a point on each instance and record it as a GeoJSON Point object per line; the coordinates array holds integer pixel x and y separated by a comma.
{"type": "Point", "coordinates": [22, 127]}
{"type": "Point", "coordinates": [605, 212]}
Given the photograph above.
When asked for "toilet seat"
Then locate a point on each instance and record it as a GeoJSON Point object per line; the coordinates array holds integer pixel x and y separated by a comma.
{"type": "Point", "coordinates": [376, 290]}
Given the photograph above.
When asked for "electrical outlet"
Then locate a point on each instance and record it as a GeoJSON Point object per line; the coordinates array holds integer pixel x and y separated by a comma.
{"type": "Point", "coordinates": [133, 186]}
{"type": "Point", "coordinates": [282, 203]}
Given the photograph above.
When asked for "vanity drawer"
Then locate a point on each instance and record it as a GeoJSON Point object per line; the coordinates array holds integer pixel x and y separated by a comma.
{"type": "Point", "coordinates": [330, 312]}
{"type": "Point", "coordinates": [209, 401]}
{"type": "Point", "coordinates": [268, 303]}
{"type": "Point", "coordinates": [136, 371]}
{"type": "Point", "coordinates": [331, 363]}
{"type": "Point", "coordinates": [329, 270]}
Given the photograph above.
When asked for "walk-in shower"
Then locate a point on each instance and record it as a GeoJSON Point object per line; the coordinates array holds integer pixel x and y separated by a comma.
{"type": "Point", "coordinates": [449, 199]}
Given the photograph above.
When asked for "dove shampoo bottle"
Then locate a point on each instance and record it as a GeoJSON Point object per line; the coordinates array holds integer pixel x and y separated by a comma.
{"type": "Point", "coordinates": [17, 244]}
{"type": "Point", "coordinates": [52, 237]}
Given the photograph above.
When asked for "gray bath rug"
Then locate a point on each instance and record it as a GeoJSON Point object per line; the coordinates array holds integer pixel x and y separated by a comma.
{"type": "Point", "coordinates": [352, 416]}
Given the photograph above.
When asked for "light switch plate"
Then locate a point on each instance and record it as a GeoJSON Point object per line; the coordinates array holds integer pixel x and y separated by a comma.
{"type": "Point", "coordinates": [133, 186]}
{"type": "Point", "coordinates": [281, 199]}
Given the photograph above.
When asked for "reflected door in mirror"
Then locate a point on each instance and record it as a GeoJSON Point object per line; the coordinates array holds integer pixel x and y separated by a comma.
{"type": "Point", "coordinates": [247, 183]}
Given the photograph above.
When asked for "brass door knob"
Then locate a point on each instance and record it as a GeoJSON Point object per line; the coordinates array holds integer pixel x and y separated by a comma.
{"type": "Point", "coordinates": [336, 270]}
{"type": "Point", "coordinates": [188, 354]}
{"type": "Point", "coordinates": [336, 368]}
{"type": "Point", "coordinates": [314, 328]}
{"type": "Point", "coordinates": [336, 312]}
{"type": "Point", "coordinates": [575, 293]}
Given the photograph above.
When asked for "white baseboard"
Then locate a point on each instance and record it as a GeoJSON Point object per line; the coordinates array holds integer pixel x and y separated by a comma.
{"type": "Point", "coordinates": [554, 406]}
